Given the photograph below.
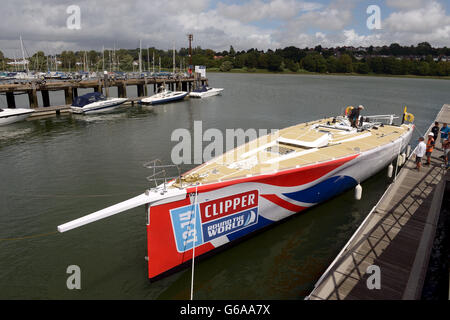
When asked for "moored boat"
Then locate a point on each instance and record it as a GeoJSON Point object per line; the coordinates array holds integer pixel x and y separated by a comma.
{"type": "Point", "coordinates": [95, 102]}
{"type": "Point", "coordinates": [204, 91]}
{"type": "Point", "coordinates": [164, 96]}
{"type": "Point", "coordinates": [257, 184]}
{"type": "Point", "coordinates": [9, 115]}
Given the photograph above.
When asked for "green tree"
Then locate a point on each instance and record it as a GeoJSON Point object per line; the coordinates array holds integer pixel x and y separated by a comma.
{"type": "Point", "coordinates": [362, 67]}
{"type": "Point", "coordinates": [424, 68]}
{"type": "Point", "coordinates": [226, 66]}
{"type": "Point", "coordinates": [274, 62]}
{"type": "Point", "coordinates": [263, 61]}
{"type": "Point", "coordinates": [332, 64]}
{"type": "Point", "coordinates": [344, 64]}
{"type": "Point", "coordinates": [314, 62]}
{"type": "Point", "coordinates": [232, 52]}
{"type": "Point", "coordinates": [291, 65]}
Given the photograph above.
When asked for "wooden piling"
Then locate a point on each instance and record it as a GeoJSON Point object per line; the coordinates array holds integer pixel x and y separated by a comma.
{"type": "Point", "coordinates": [45, 98]}
{"type": "Point", "coordinates": [145, 87]}
{"type": "Point", "coordinates": [68, 95]}
{"type": "Point", "coordinates": [140, 90]}
{"type": "Point", "coordinates": [32, 97]}
{"type": "Point", "coordinates": [10, 100]}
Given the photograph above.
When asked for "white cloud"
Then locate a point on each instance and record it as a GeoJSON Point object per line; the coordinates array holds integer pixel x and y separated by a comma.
{"type": "Point", "coordinates": [257, 10]}
{"type": "Point", "coordinates": [42, 24]}
{"type": "Point", "coordinates": [421, 20]}
{"type": "Point", "coordinates": [409, 4]}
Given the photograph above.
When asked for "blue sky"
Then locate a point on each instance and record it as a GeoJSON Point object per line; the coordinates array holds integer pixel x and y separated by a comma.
{"type": "Point", "coordinates": [217, 24]}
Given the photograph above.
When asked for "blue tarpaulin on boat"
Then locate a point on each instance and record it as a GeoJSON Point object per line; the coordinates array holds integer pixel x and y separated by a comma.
{"type": "Point", "coordinates": [88, 98]}
{"type": "Point", "coordinates": [203, 88]}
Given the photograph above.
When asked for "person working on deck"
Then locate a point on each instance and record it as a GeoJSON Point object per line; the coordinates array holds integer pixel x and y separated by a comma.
{"type": "Point", "coordinates": [420, 152]}
{"type": "Point", "coordinates": [429, 149]}
{"type": "Point", "coordinates": [354, 116]}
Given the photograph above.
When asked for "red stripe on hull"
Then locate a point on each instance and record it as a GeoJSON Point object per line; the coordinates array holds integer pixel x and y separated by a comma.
{"type": "Point", "coordinates": [283, 203]}
{"type": "Point", "coordinates": [286, 178]}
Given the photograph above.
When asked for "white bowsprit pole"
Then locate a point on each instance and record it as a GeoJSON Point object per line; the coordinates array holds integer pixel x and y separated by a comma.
{"type": "Point", "coordinates": [148, 197]}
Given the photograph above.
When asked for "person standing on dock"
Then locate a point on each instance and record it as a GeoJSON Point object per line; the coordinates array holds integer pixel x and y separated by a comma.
{"type": "Point", "coordinates": [446, 147]}
{"type": "Point", "coordinates": [429, 149]}
{"type": "Point", "coordinates": [420, 152]}
{"type": "Point", "coordinates": [435, 131]}
{"type": "Point", "coordinates": [444, 134]}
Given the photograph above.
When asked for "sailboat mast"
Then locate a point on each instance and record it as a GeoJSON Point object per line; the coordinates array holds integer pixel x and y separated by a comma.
{"type": "Point", "coordinates": [153, 61]}
{"type": "Point", "coordinates": [148, 59]}
{"type": "Point", "coordinates": [23, 54]}
{"type": "Point", "coordinates": [173, 51]}
{"type": "Point", "coordinates": [140, 56]}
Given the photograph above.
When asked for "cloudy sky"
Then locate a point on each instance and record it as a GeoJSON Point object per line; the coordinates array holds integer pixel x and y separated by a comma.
{"type": "Point", "coordinates": [217, 24]}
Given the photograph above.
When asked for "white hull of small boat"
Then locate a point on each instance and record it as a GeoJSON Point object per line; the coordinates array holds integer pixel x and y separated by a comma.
{"type": "Point", "coordinates": [102, 106]}
{"type": "Point", "coordinates": [8, 116]}
{"type": "Point", "coordinates": [209, 93]}
{"type": "Point", "coordinates": [165, 97]}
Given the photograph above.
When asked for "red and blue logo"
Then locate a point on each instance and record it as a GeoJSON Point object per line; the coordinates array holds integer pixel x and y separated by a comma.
{"type": "Point", "coordinates": [212, 219]}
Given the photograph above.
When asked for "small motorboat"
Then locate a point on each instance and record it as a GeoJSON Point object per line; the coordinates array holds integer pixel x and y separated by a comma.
{"type": "Point", "coordinates": [95, 102]}
{"type": "Point", "coordinates": [9, 115]}
{"type": "Point", "coordinates": [164, 96]}
{"type": "Point", "coordinates": [204, 91]}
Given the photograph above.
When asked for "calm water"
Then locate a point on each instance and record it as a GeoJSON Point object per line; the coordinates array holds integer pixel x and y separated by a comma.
{"type": "Point", "coordinates": [58, 169]}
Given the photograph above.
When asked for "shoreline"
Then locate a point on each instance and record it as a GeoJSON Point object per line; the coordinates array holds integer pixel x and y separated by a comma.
{"type": "Point", "coordinates": [265, 71]}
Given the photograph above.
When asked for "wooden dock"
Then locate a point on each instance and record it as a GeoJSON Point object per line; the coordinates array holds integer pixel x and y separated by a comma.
{"type": "Point", "coordinates": [396, 236]}
{"type": "Point", "coordinates": [70, 88]}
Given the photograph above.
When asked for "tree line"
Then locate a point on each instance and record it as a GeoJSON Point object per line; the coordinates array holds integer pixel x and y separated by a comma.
{"type": "Point", "coordinates": [422, 60]}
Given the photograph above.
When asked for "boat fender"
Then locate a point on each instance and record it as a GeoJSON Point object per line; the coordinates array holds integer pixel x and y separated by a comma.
{"type": "Point", "coordinates": [358, 192]}
{"type": "Point", "coordinates": [403, 158]}
{"type": "Point", "coordinates": [390, 171]}
{"type": "Point", "coordinates": [408, 150]}
{"type": "Point", "coordinates": [399, 160]}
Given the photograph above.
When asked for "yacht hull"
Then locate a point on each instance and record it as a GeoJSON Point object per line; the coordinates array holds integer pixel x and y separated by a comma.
{"type": "Point", "coordinates": [157, 100]}
{"type": "Point", "coordinates": [99, 107]}
{"type": "Point", "coordinates": [216, 215]}
{"type": "Point", "coordinates": [12, 118]}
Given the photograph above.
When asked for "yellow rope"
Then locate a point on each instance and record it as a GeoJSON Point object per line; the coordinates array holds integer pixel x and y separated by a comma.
{"type": "Point", "coordinates": [30, 237]}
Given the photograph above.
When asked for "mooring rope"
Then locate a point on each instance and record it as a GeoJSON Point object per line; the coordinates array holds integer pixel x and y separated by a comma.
{"type": "Point", "coordinates": [193, 247]}
{"type": "Point", "coordinates": [41, 235]}
{"type": "Point", "coordinates": [70, 195]}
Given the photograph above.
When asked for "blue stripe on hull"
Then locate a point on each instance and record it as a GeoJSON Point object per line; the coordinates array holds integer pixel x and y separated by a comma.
{"type": "Point", "coordinates": [323, 190]}
{"type": "Point", "coordinates": [316, 194]}
{"type": "Point", "coordinates": [262, 222]}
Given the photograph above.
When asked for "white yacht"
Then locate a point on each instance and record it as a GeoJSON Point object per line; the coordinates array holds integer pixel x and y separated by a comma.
{"type": "Point", "coordinates": [204, 91]}
{"type": "Point", "coordinates": [95, 102]}
{"type": "Point", "coordinates": [9, 115]}
{"type": "Point", "coordinates": [164, 96]}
